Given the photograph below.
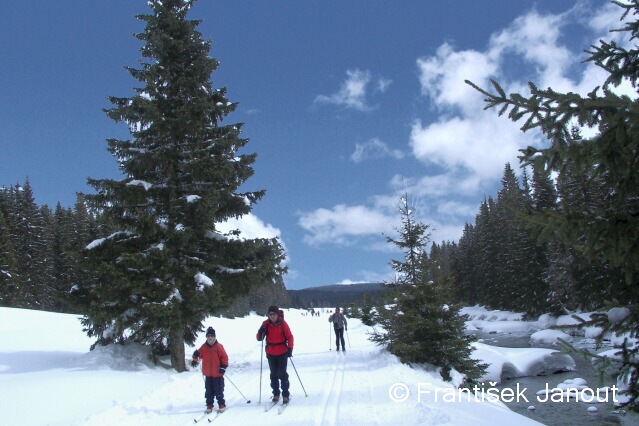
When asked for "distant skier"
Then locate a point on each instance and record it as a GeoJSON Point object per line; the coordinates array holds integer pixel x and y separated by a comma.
{"type": "Point", "coordinates": [339, 325]}
{"type": "Point", "coordinates": [279, 347]}
{"type": "Point", "coordinates": [214, 364]}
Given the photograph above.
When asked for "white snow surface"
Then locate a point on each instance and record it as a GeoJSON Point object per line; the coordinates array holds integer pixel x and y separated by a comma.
{"type": "Point", "coordinates": [136, 182]}
{"type": "Point", "coordinates": [48, 376]}
{"type": "Point", "coordinates": [549, 338]}
{"type": "Point", "coordinates": [202, 279]}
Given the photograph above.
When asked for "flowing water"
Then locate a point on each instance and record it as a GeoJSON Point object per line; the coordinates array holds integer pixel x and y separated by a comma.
{"type": "Point", "coordinates": [560, 413]}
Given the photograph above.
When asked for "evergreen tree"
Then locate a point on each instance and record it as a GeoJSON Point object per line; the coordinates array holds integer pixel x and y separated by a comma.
{"type": "Point", "coordinates": [609, 232]}
{"type": "Point", "coordinates": [64, 264]}
{"type": "Point", "coordinates": [421, 325]}
{"type": "Point", "coordinates": [45, 283]}
{"type": "Point", "coordinates": [464, 267]}
{"type": "Point", "coordinates": [26, 224]}
{"type": "Point", "coordinates": [8, 268]}
{"type": "Point", "coordinates": [166, 267]}
{"type": "Point", "coordinates": [522, 260]}
{"type": "Point", "coordinates": [509, 247]}
{"type": "Point", "coordinates": [488, 277]}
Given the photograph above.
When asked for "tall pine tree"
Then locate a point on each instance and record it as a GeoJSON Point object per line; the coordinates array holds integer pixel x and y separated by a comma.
{"type": "Point", "coordinates": [166, 267]}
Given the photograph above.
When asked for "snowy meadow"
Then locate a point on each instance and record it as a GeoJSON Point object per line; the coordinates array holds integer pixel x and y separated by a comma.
{"type": "Point", "coordinates": [49, 377]}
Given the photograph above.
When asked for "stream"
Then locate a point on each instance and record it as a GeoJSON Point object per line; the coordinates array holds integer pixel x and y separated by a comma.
{"type": "Point", "coordinates": [560, 413]}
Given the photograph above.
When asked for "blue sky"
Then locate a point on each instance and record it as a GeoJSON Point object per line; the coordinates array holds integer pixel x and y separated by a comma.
{"type": "Point", "coordinates": [348, 104]}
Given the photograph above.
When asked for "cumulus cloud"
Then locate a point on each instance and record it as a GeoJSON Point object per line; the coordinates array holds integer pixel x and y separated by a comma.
{"type": "Point", "coordinates": [463, 147]}
{"type": "Point", "coordinates": [374, 149]}
{"type": "Point", "coordinates": [466, 140]}
{"type": "Point", "coordinates": [354, 91]}
{"type": "Point", "coordinates": [252, 227]}
{"type": "Point", "coordinates": [342, 224]}
{"type": "Point", "coordinates": [383, 84]}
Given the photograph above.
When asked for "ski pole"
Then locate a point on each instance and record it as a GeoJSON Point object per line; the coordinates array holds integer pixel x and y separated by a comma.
{"type": "Point", "coordinates": [330, 345]}
{"type": "Point", "coordinates": [261, 360]}
{"type": "Point", "coordinates": [298, 377]}
{"type": "Point", "coordinates": [248, 401]}
{"type": "Point", "coordinates": [348, 337]}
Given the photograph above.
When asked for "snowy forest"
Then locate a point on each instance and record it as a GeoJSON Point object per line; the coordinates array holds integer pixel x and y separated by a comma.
{"type": "Point", "coordinates": [138, 257]}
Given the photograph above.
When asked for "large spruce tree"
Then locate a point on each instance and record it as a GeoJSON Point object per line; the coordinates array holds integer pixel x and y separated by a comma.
{"type": "Point", "coordinates": [166, 267]}
{"type": "Point", "coordinates": [421, 324]}
{"type": "Point", "coordinates": [608, 230]}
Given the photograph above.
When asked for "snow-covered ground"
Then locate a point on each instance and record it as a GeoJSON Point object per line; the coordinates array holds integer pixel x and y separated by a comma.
{"type": "Point", "coordinates": [48, 377]}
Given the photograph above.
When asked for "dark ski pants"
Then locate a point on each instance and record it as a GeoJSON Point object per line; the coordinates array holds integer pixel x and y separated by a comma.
{"type": "Point", "coordinates": [339, 336]}
{"type": "Point", "coordinates": [214, 389]}
{"type": "Point", "coordinates": [277, 365]}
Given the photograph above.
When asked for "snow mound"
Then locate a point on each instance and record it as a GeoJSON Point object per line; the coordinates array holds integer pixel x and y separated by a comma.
{"type": "Point", "coordinates": [481, 313]}
{"type": "Point", "coordinates": [494, 327]}
{"type": "Point", "coordinates": [508, 363]}
{"type": "Point", "coordinates": [548, 338]}
{"type": "Point", "coordinates": [588, 332]}
{"type": "Point", "coordinates": [493, 322]}
{"type": "Point", "coordinates": [128, 357]}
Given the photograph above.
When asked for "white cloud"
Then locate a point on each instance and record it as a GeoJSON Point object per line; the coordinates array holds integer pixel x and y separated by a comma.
{"type": "Point", "coordinates": [383, 84]}
{"type": "Point", "coordinates": [464, 148]}
{"type": "Point", "coordinates": [477, 146]}
{"type": "Point", "coordinates": [252, 227]}
{"type": "Point", "coordinates": [366, 276]}
{"type": "Point", "coordinates": [354, 90]}
{"type": "Point", "coordinates": [374, 148]}
{"type": "Point", "coordinates": [436, 186]}
{"type": "Point", "coordinates": [350, 282]}
{"type": "Point", "coordinates": [442, 77]}
{"type": "Point", "coordinates": [342, 224]}
{"type": "Point", "coordinates": [466, 141]}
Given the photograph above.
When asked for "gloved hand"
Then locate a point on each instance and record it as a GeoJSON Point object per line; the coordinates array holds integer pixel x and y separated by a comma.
{"type": "Point", "coordinates": [289, 352]}
{"type": "Point", "coordinates": [222, 370]}
{"type": "Point", "coordinates": [346, 328]}
{"type": "Point", "coordinates": [194, 362]}
{"type": "Point", "coordinates": [261, 333]}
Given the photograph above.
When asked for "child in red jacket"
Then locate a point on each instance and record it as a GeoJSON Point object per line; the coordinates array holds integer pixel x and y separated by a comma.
{"type": "Point", "coordinates": [214, 364]}
{"type": "Point", "coordinates": [279, 347]}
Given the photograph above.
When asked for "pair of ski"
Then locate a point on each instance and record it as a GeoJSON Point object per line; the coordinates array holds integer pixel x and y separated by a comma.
{"type": "Point", "coordinates": [208, 416]}
{"type": "Point", "coordinates": [280, 410]}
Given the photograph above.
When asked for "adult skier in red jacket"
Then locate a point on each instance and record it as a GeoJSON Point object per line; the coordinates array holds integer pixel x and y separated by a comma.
{"type": "Point", "coordinates": [214, 364]}
{"type": "Point", "coordinates": [279, 347]}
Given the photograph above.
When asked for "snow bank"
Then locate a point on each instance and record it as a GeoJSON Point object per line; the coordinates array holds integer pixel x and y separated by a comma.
{"type": "Point", "coordinates": [479, 318]}
{"type": "Point", "coordinates": [508, 363]}
{"type": "Point", "coordinates": [481, 313]}
{"type": "Point", "coordinates": [548, 338]}
{"type": "Point", "coordinates": [588, 332]}
{"type": "Point", "coordinates": [128, 357]}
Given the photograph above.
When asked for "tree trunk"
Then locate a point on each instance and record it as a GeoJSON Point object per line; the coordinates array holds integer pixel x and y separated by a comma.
{"type": "Point", "coordinates": [176, 346]}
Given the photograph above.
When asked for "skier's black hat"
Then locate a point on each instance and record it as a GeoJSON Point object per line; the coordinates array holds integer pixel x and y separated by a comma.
{"type": "Point", "coordinates": [273, 309]}
{"type": "Point", "coordinates": [210, 332]}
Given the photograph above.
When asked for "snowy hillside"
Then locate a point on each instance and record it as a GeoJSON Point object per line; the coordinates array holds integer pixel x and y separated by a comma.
{"type": "Point", "coordinates": [48, 377]}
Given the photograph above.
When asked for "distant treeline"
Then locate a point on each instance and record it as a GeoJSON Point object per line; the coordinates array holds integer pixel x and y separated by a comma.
{"type": "Point", "coordinates": [357, 295]}
{"type": "Point", "coordinates": [506, 260]}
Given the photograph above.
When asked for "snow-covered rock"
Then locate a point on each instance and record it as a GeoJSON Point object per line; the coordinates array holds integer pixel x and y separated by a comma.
{"type": "Point", "coordinates": [548, 338]}
{"type": "Point", "coordinates": [508, 363]}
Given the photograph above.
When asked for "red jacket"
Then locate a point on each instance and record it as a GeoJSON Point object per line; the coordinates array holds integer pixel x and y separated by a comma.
{"type": "Point", "coordinates": [213, 357]}
{"type": "Point", "coordinates": [279, 338]}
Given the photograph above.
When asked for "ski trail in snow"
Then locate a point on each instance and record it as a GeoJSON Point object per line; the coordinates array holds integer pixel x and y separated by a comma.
{"type": "Point", "coordinates": [332, 392]}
